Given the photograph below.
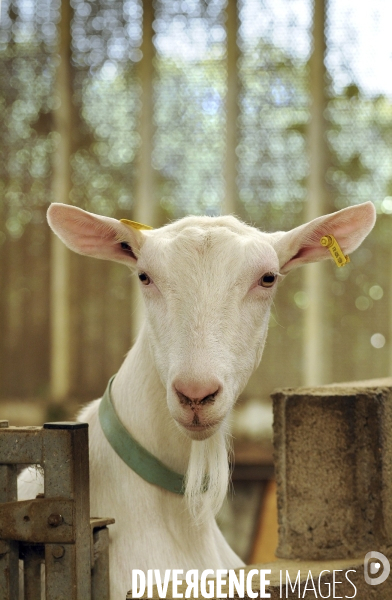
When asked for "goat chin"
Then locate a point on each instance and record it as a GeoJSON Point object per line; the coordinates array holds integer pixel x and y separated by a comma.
{"type": "Point", "coordinates": [208, 474]}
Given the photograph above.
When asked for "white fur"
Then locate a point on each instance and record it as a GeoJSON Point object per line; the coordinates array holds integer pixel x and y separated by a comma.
{"type": "Point", "coordinates": [205, 329]}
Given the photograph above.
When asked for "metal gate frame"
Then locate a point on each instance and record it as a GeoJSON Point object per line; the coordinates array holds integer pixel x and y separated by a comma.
{"type": "Point", "coordinates": [55, 527]}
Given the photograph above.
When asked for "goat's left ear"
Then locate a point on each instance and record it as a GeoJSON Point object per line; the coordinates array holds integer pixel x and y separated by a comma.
{"type": "Point", "coordinates": [94, 235]}
{"type": "Point", "coordinates": [302, 245]}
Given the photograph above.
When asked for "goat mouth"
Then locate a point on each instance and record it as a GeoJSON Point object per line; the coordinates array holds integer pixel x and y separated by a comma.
{"type": "Point", "coordinates": [198, 432]}
{"type": "Point", "coordinates": [192, 427]}
{"type": "Point", "coordinates": [195, 427]}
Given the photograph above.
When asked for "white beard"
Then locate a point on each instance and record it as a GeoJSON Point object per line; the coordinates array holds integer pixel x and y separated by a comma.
{"type": "Point", "coordinates": [208, 464]}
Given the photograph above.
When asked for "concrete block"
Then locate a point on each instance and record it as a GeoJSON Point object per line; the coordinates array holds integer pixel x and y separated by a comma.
{"type": "Point", "coordinates": [333, 460]}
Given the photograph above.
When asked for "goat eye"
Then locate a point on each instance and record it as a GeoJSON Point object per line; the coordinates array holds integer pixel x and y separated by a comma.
{"type": "Point", "coordinates": [267, 280]}
{"type": "Point", "coordinates": [144, 278]}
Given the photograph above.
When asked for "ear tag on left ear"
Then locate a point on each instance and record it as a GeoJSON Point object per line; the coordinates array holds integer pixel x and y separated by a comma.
{"type": "Point", "coordinates": [134, 224]}
{"type": "Point", "coordinates": [337, 254]}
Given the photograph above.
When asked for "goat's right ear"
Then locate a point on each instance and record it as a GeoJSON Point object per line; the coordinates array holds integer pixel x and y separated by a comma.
{"type": "Point", "coordinates": [302, 245]}
{"type": "Point", "coordinates": [94, 235]}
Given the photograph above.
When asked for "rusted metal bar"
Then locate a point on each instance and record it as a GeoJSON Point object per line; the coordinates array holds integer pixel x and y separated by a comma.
{"type": "Point", "coordinates": [47, 520]}
{"type": "Point", "coordinates": [21, 445]}
{"type": "Point", "coordinates": [65, 454]}
{"type": "Point", "coordinates": [33, 557]}
{"type": "Point", "coordinates": [100, 586]}
{"type": "Point", "coordinates": [9, 551]}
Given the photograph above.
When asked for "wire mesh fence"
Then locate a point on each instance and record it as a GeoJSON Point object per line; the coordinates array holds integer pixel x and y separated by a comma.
{"type": "Point", "coordinates": [174, 66]}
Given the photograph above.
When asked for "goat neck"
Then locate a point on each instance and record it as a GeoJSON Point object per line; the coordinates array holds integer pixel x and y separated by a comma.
{"type": "Point", "coordinates": [140, 401]}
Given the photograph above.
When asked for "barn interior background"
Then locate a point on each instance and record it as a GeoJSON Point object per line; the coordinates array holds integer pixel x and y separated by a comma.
{"type": "Point", "coordinates": [275, 110]}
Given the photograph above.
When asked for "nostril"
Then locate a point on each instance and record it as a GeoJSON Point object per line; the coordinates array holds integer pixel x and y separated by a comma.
{"type": "Point", "coordinates": [197, 394]}
{"type": "Point", "coordinates": [196, 401]}
{"type": "Point", "coordinates": [209, 398]}
{"type": "Point", "coordinates": [183, 399]}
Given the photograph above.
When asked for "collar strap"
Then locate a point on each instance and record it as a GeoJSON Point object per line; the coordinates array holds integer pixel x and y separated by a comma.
{"type": "Point", "coordinates": [139, 459]}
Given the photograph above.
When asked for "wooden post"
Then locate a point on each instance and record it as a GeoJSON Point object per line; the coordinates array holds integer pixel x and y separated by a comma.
{"type": "Point", "coordinates": [316, 356]}
{"type": "Point", "coordinates": [230, 203]}
{"type": "Point", "coordinates": [61, 187]}
{"type": "Point", "coordinates": [145, 202]}
{"type": "Point", "coordinates": [144, 210]}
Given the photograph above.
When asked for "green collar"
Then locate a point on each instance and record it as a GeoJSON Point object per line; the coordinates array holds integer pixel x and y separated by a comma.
{"type": "Point", "coordinates": [132, 453]}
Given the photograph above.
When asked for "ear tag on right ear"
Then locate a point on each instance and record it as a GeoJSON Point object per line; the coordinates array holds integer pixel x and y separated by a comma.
{"type": "Point", "coordinates": [134, 224]}
{"type": "Point", "coordinates": [337, 254]}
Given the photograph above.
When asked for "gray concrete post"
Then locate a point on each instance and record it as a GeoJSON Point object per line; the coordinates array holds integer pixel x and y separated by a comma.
{"type": "Point", "coordinates": [333, 459]}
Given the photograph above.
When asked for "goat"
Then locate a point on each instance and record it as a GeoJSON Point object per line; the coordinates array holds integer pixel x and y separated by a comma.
{"type": "Point", "coordinates": [208, 285]}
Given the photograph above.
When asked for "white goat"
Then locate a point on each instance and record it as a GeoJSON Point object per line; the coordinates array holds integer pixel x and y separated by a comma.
{"type": "Point", "coordinates": [208, 284]}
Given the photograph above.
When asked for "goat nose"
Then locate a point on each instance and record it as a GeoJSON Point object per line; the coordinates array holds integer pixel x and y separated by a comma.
{"type": "Point", "coordinates": [197, 393]}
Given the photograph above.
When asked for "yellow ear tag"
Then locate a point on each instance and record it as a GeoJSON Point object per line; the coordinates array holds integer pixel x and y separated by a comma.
{"type": "Point", "coordinates": [329, 242]}
{"type": "Point", "coordinates": [135, 225]}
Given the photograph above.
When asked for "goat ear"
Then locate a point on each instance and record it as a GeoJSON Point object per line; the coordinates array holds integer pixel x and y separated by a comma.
{"type": "Point", "coordinates": [302, 245]}
{"type": "Point", "coordinates": [94, 235]}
